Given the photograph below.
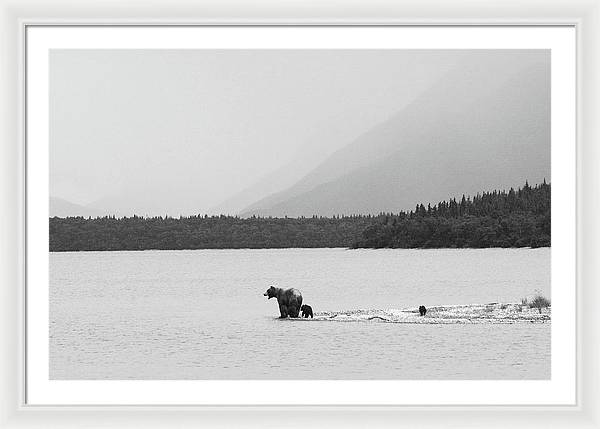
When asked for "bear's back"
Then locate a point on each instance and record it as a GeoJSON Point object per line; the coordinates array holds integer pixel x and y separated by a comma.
{"type": "Point", "coordinates": [292, 296]}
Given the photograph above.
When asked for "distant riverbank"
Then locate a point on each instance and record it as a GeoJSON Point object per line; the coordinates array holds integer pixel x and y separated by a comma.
{"type": "Point", "coordinates": [518, 218]}
{"type": "Point", "coordinates": [493, 313]}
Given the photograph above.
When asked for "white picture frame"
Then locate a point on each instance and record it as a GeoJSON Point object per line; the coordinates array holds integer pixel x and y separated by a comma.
{"type": "Point", "coordinates": [14, 19]}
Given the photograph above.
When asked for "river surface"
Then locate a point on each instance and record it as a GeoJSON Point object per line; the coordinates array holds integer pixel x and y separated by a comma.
{"type": "Point", "coordinates": [201, 314]}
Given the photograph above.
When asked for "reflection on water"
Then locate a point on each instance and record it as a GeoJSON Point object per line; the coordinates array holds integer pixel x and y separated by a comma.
{"type": "Point", "coordinates": [201, 314]}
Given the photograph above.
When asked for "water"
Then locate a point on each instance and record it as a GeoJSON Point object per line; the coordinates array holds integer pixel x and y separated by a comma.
{"type": "Point", "coordinates": [202, 315]}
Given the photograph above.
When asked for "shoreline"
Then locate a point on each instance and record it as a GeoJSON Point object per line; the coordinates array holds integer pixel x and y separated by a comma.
{"type": "Point", "coordinates": [297, 248]}
{"type": "Point", "coordinates": [492, 313]}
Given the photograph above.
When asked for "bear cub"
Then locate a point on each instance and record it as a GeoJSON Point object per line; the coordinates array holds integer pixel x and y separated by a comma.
{"type": "Point", "coordinates": [307, 311]}
{"type": "Point", "coordinates": [422, 310]}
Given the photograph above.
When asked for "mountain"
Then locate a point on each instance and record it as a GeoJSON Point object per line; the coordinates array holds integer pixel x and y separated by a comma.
{"type": "Point", "coordinates": [62, 208]}
{"type": "Point", "coordinates": [271, 183]}
{"type": "Point", "coordinates": [485, 125]}
{"type": "Point", "coordinates": [275, 181]}
{"type": "Point", "coordinates": [309, 155]}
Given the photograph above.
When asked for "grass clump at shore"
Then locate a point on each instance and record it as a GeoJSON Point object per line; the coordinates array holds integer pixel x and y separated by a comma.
{"type": "Point", "coordinates": [539, 301]}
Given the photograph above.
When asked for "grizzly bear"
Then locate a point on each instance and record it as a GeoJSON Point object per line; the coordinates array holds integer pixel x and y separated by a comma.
{"type": "Point", "coordinates": [289, 300]}
{"type": "Point", "coordinates": [306, 311]}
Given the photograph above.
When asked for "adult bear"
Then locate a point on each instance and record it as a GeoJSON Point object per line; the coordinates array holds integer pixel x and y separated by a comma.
{"type": "Point", "coordinates": [289, 300]}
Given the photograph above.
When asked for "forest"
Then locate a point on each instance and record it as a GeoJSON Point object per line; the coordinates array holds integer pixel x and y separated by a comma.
{"type": "Point", "coordinates": [518, 218]}
{"type": "Point", "coordinates": [514, 218]}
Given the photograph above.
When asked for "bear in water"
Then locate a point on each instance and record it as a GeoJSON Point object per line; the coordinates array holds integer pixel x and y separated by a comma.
{"type": "Point", "coordinates": [422, 310]}
{"type": "Point", "coordinates": [289, 300]}
{"type": "Point", "coordinates": [306, 311]}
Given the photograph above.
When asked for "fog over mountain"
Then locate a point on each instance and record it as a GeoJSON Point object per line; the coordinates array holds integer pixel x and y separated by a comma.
{"type": "Point", "coordinates": [180, 132]}
{"type": "Point", "coordinates": [63, 208]}
{"type": "Point", "coordinates": [291, 132]}
{"type": "Point", "coordinates": [482, 126]}
{"type": "Point", "coordinates": [334, 130]}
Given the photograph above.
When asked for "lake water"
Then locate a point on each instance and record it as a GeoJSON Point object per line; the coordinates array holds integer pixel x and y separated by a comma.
{"type": "Point", "coordinates": [201, 314]}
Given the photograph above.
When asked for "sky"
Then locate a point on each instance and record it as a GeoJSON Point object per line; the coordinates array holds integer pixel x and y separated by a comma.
{"type": "Point", "coordinates": [178, 132]}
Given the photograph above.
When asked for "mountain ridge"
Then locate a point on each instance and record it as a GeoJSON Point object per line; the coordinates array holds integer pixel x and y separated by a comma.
{"type": "Point", "coordinates": [509, 118]}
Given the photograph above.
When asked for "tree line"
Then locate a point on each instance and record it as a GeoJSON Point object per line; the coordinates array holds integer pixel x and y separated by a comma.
{"type": "Point", "coordinates": [203, 232]}
{"type": "Point", "coordinates": [518, 218]}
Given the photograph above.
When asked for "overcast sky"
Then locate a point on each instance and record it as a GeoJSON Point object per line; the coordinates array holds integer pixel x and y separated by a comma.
{"type": "Point", "coordinates": [180, 131]}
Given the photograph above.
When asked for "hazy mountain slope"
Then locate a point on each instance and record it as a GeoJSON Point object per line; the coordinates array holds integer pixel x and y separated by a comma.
{"type": "Point", "coordinates": [336, 130]}
{"type": "Point", "coordinates": [485, 129]}
{"type": "Point", "coordinates": [63, 208]}
{"type": "Point", "coordinates": [310, 156]}
{"type": "Point", "coordinates": [273, 182]}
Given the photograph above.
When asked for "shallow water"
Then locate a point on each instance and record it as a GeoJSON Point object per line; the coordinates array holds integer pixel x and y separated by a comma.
{"type": "Point", "coordinates": [201, 314]}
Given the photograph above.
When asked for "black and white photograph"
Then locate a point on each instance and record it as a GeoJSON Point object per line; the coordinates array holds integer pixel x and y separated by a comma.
{"type": "Point", "coordinates": [300, 214]}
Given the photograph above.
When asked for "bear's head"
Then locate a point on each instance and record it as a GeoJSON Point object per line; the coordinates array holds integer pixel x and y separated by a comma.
{"type": "Point", "coordinates": [271, 292]}
{"type": "Point", "coordinates": [303, 307]}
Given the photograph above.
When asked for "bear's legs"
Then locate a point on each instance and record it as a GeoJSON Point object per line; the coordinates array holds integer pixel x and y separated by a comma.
{"type": "Point", "coordinates": [283, 311]}
{"type": "Point", "coordinates": [293, 311]}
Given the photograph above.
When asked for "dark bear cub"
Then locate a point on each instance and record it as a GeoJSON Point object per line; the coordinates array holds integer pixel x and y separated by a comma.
{"type": "Point", "coordinates": [306, 311]}
{"type": "Point", "coordinates": [422, 310]}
